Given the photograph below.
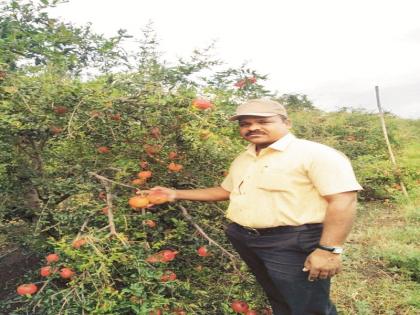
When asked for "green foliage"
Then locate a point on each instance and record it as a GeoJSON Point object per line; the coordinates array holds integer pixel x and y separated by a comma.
{"type": "Point", "coordinates": [53, 125]}
{"type": "Point", "coordinates": [29, 36]}
{"type": "Point", "coordinates": [296, 102]}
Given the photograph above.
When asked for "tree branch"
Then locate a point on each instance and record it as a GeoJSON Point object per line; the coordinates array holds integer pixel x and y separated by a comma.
{"type": "Point", "coordinates": [200, 230]}
{"type": "Point", "coordinates": [106, 184]}
{"type": "Point", "coordinates": [103, 178]}
{"type": "Point", "coordinates": [82, 228]}
{"type": "Point", "coordinates": [69, 131]}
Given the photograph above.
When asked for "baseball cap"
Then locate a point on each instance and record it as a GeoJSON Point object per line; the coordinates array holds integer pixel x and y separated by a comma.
{"type": "Point", "coordinates": [259, 107]}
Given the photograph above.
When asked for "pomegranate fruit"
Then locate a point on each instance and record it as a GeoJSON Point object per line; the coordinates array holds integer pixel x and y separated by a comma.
{"type": "Point", "coordinates": [138, 202]}
{"type": "Point", "coordinates": [27, 288]}
{"type": "Point", "coordinates": [202, 251]}
{"type": "Point", "coordinates": [52, 258]}
{"type": "Point", "coordinates": [66, 273]}
{"type": "Point", "coordinates": [239, 306]}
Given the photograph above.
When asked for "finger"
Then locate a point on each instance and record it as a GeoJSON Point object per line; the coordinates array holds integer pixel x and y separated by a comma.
{"type": "Point", "coordinates": [306, 266]}
{"type": "Point", "coordinates": [141, 191]}
{"type": "Point", "coordinates": [332, 274]}
{"type": "Point", "coordinates": [324, 275]}
{"type": "Point", "coordinates": [312, 278]}
{"type": "Point", "coordinates": [159, 188]}
{"type": "Point", "coordinates": [313, 274]}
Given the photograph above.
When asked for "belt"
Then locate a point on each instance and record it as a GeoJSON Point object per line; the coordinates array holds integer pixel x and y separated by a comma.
{"type": "Point", "coordinates": [278, 229]}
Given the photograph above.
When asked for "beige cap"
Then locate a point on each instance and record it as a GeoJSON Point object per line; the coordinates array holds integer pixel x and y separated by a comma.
{"type": "Point", "coordinates": [259, 107]}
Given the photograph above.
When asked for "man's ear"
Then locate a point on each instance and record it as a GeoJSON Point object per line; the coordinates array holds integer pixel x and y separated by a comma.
{"type": "Point", "coordinates": [289, 123]}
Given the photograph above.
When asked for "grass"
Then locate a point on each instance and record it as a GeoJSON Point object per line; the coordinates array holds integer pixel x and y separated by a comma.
{"type": "Point", "coordinates": [382, 262]}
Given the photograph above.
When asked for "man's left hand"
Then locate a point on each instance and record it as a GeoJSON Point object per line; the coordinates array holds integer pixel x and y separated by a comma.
{"type": "Point", "coordinates": [322, 264]}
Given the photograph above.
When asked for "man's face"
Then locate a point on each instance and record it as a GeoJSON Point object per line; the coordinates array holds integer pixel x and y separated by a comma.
{"type": "Point", "coordinates": [263, 131]}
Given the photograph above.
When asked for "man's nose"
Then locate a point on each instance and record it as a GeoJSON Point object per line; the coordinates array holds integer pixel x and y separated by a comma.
{"type": "Point", "coordinates": [254, 127]}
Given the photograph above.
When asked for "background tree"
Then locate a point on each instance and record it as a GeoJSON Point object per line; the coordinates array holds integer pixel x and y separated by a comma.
{"type": "Point", "coordinates": [28, 36]}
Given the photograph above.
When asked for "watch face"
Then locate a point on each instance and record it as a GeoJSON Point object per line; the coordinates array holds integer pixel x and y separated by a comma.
{"type": "Point", "coordinates": [337, 250]}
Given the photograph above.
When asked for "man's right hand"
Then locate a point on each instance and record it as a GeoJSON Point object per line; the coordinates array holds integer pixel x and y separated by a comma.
{"type": "Point", "coordinates": [170, 193]}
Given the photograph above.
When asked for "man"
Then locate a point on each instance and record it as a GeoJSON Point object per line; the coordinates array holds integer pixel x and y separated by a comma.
{"type": "Point", "coordinates": [292, 205]}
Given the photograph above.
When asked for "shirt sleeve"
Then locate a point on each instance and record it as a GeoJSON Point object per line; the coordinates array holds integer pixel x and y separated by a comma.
{"type": "Point", "coordinates": [331, 172]}
{"type": "Point", "coordinates": [227, 183]}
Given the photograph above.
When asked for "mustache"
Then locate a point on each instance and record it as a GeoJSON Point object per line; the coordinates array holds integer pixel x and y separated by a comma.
{"type": "Point", "coordinates": [251, 133]}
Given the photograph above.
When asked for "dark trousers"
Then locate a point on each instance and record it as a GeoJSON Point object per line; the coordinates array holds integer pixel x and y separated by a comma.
{"type": "Point", "coordinates": [277, 260]}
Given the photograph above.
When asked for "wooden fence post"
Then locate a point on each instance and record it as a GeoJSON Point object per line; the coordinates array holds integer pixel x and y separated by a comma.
{"type": "Point", "coordinates": [391, 154]}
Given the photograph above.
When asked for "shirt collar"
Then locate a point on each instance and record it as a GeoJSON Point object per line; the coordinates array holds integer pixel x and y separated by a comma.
{"type": "Point", "coordinates": [279, 145]}
{"type": "Point", "coordinates": [283, 142]}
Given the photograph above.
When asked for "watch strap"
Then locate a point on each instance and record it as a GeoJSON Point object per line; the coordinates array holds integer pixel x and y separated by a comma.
{"type": "Point", "coordinates": [331, 249]}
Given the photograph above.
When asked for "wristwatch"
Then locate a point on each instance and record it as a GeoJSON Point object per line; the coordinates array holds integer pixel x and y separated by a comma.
{"type": "Point", "coordinates": [332, 249]}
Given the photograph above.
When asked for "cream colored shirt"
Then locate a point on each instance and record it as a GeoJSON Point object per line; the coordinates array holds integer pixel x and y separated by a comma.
{"type": "Point", "coordinates": [285, 182]}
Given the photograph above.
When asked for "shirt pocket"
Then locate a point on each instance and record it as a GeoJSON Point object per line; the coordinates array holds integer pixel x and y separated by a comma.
{"type": "Point", "coordinates": [275, 180]}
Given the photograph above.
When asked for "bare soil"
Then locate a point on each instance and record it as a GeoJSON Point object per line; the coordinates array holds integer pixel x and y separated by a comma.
{"type": "Point", "coordinates": [15, 262]}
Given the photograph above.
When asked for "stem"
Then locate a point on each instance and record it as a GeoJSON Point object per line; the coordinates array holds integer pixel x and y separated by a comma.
{"type": "Point", "coordinates": [71, 119]}
{"type": "Point", "coordinates": [39, 291]}
{"type": "Point", "coordinates": [103, 178]}
{"type": "Point", "coordinates": [200, 230]}
{"type": "Point", "coordinates": [82, 228]}
{"type": "Point", "coordinates": [8, 253]}
{"type": "Point", "coordinates": [25, 102]}
{"type": "Point", "coordinates": [106, 183]}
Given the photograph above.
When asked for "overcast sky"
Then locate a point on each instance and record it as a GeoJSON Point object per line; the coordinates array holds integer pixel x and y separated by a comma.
{"type": "Point", "coordinates": [334, 51]}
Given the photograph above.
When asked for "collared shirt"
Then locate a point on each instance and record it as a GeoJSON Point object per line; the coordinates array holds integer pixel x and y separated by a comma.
{"type": "Point", "coordinates": [285, 182]}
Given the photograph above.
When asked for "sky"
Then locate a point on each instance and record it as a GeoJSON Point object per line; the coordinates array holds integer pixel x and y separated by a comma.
{"type": "Point", "coordinates": [334, 51]}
